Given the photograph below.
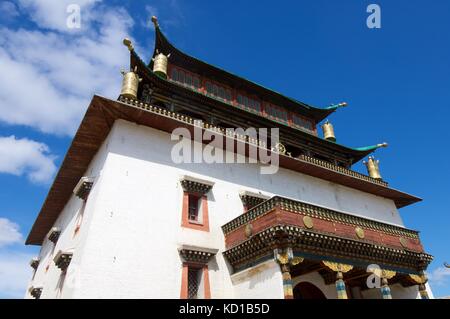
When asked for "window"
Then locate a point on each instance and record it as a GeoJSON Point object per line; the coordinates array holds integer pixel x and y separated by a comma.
{"type": "Point", "coordinates": [248, 103]}
{"type": "Point", "coordinates": [302, 122]}
{"type": "Point", "coordinates": [174, 75]}
{"type": "Point", "coordinates": [195, 281]}
{"type": "Point", "coordinates": [194, 205]}
{"type": "Point", "coordinates": [276, 113]}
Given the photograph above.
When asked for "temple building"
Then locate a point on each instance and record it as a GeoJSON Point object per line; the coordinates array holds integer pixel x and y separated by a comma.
{"type": "Point", "coordinates": [122, 219]}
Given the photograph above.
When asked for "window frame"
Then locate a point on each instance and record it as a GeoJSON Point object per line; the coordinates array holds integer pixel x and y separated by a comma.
{"type": "Point", "coordinates": [202, 223]}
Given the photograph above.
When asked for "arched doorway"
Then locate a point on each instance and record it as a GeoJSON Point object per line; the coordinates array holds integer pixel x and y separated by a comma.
{"type": "Point", "coordinates": [306, 290]}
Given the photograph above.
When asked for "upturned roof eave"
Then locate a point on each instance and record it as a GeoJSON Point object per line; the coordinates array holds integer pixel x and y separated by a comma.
{"type": "Point", "coordinates": [162, 44]}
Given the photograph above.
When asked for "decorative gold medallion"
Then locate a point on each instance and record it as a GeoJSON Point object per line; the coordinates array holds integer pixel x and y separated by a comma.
{"type": "Point", "coordinates": [248, 230]}
{"type": "Point", "coordinates": [404, 242]}
{"type": "Point", "coordinates": [359, 232]}
{"type": "Point", "coordinates": [308, 222]}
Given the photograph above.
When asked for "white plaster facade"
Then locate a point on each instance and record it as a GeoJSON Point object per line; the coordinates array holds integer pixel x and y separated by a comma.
{"type": "Point", "coordinates": [130, 230]}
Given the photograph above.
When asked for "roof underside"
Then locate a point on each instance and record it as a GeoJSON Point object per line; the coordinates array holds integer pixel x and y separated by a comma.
{"type": "Point", "coordinates": [96, 125]}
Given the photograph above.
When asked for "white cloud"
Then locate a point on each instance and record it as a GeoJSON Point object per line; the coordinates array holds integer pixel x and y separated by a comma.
{"type": "Point", "coordinates": [8, 9]}
{"type": "Point", "coordinates": [49, 75]}
{"type": "Point", "coordinates": [53, 14]}
{"type": "Point", "coordinates": [9, 232]}
{"type": "Point", "coordinates": [14, 274]}
{"type": "Point", "coordinates": [26, 157]}
{"type": "Point", "coordinates": [439, 276]}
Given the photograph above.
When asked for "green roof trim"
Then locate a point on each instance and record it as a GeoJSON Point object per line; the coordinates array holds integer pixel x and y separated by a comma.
{"type": "Point", "coordinates": [371, 148]}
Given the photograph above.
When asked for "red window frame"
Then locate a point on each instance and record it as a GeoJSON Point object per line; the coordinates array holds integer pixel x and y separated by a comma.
{"type": "Point", "coordinates": [186, 222]}
{"type": "Point", "coordinates": [184, 293]}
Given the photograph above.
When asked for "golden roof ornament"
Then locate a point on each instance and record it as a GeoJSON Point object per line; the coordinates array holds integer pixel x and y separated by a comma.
{"type": "Point", "coordinates": [127, 42]}
{"type": "Point", "coordinates": [328, 132]}
{"type": "Point", "coordinates": [130, 84]}
{"type": "Point", "coordinates": [160, 62]}
{"type": "Point", "coordinates": [373, 167]}
{"type": "Point", "coordinates": [155, 21]}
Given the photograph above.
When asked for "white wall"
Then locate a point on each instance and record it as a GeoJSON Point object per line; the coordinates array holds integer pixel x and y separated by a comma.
{"type": "Point", "coordinates": [264, 281]}
{"type": "Point", "coordinates": [127, 247]}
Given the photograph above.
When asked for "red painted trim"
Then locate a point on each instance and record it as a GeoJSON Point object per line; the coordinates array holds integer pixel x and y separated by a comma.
{"type": "Point", "coordinates": [184, 281]}
{"type": "Point", "coordinates": [206, 285]}
{"type": "Point", "coordinates": [185, 222]}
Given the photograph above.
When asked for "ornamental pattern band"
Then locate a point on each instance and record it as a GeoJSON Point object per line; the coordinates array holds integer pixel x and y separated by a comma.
{"type": "Point", "coordinates": [316, 212]}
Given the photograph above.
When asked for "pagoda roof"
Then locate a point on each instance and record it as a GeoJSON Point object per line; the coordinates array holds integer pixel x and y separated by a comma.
{"type": "Point", "coordinates": [178, 57]}
{"type": "Point", "coordinates": [96, 125]}
{"type": "Point", "coordinates": [356, 154]}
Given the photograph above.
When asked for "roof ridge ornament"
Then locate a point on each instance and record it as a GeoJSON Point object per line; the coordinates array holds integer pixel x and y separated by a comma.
{"type": "Point", "coordinates": [155, 21]}
{"type": "Point", "coordinates": [336, 106]}
{"type": "Point", "coordinates": [127, 42]}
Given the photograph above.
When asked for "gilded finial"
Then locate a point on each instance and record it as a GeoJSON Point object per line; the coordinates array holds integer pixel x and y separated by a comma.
{"type": "Point", "coordinates": [155, 21]}
{"type": "Point", "coordinates": [127, 42]}
{"type": "Point", "coordinates": [373, 167]}
{"type": "Point", "coordinates": [384, 144]}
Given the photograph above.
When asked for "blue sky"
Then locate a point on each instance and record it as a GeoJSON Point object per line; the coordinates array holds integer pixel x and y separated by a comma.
{"type": "Point", "coordinates": [396, 81]}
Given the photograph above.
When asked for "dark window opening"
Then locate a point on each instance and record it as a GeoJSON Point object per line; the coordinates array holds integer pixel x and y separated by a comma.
{"type": "Point", "coordinates": [193, 282]}
{"type": "Point", "coordinates": [194, 205]}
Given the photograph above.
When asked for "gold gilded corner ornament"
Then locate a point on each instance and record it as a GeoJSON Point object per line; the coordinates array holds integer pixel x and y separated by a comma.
{"type": "Point", "coordinates": [338, 267]}
{"type": "Point", "coordinates": [308, 222]}
{"type": "Point", "coordinates": [418, 279]}
{"type": "Point", "coordinates": [359, 232]}
{"type": "Point", "coordinates": [388, 274]}
{"type": "Point", "coordinates": [283, 258]}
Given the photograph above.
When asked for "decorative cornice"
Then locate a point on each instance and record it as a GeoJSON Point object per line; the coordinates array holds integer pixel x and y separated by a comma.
{"type": "Point", "coordinates": [36, 292]}
{"type": "Point", "coordinates": [53, 234]}
{"type": "Point", "coordinates": [197, 254]}
{"type": "Point", "coordinates": [342, 170]}
{"type": "Point", "coordinates": [192, 185]}
{"type": "Point", "coordinates": [34, 262]}
{"type": "Point", "coordinates": [83, 187]}
{"type": "Point", "coordinates": [316, 212]}
{"type": "Point", "coordinates": [63, 259]}
{"type": "Point", "coordinates": [305, 241]}
{"type": "Point", "coordinates": [250, 200]}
